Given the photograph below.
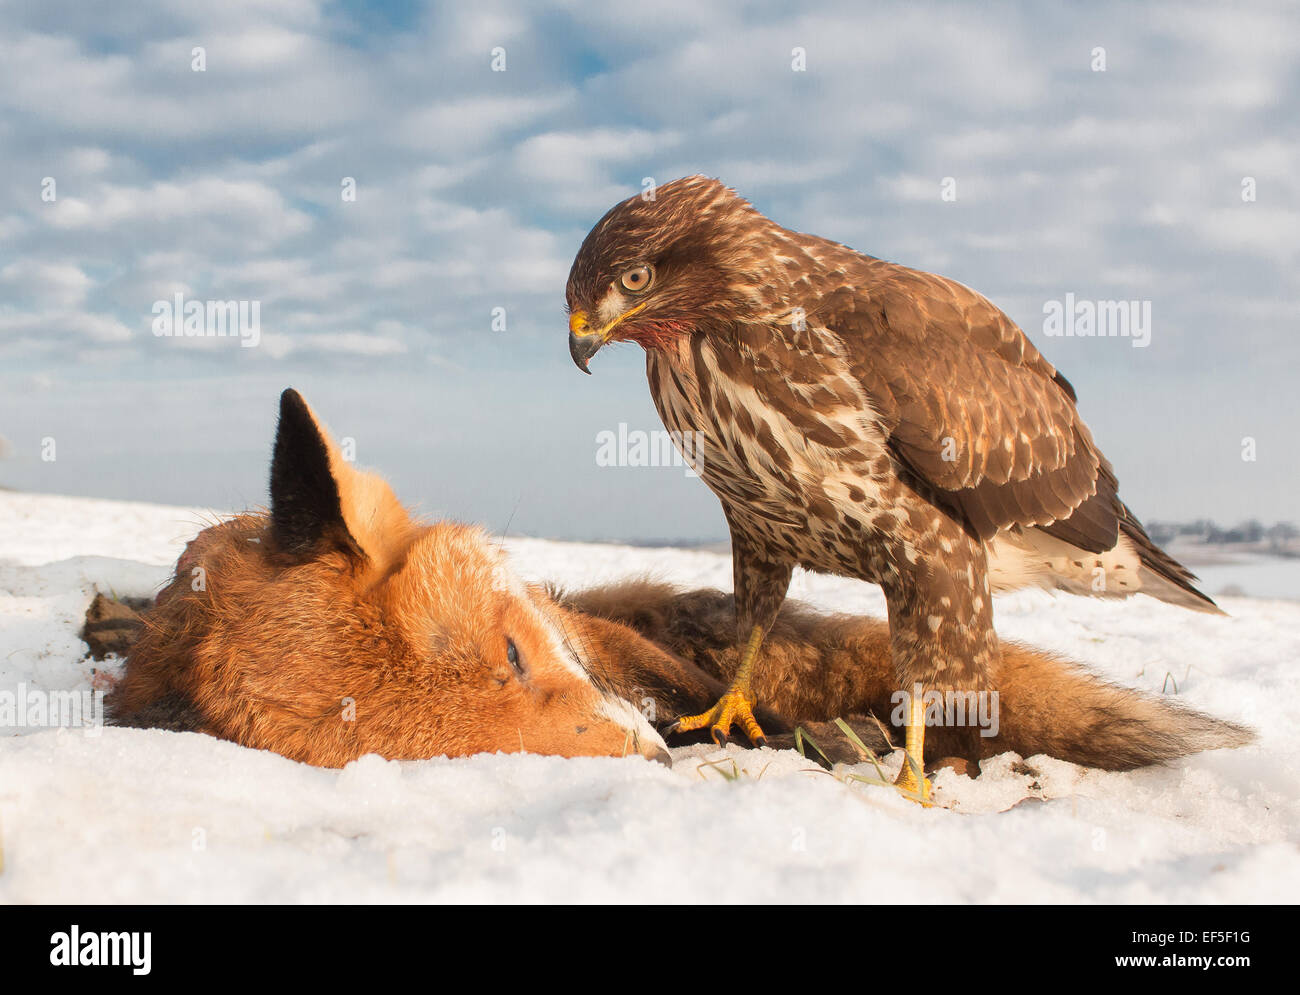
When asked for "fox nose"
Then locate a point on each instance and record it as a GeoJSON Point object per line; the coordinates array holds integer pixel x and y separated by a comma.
{"type": "Point", "coordinates": [659, 756]}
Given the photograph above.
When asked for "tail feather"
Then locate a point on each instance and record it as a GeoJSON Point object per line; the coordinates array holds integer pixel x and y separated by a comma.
{"type": "Point", "coordinates": [1170, 580]}
{"type": "Point", "coordinates": [1071, 547]}
{"type": "Point", "coordinates": [1133, 565]}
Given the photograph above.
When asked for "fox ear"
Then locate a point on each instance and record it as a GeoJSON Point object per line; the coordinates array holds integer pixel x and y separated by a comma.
{"type": "Point", "coordinates": [306, 507]}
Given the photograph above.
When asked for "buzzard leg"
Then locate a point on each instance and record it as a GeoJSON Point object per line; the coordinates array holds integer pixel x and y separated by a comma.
{"type": "Point", "coordinates": [734, 707]}
{"type": "Point", "coordinates": [760, 588]}
{"type": "Point", "coordinates": [911, 780]}
{"type": "Point", "coordinates": [941, 636]}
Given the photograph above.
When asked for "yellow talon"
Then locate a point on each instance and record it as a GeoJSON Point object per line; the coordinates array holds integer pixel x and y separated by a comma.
{"type": "Point", "coordinates": [911, 780]}
{"type": "Point", "coordinates": [735, 707]}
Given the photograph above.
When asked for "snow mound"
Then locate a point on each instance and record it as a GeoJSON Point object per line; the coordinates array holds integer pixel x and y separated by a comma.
{"type": "Point", "coordinates": [121, 815]}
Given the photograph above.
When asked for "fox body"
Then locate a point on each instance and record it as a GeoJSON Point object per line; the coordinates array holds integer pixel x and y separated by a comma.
{"type": "Point", "coordinates": [338, 625]}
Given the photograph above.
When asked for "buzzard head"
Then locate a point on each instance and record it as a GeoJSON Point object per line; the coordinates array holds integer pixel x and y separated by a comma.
{"type": "Point", "coordinates": [664, 264]}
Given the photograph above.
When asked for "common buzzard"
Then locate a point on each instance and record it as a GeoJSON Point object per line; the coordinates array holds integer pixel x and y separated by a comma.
{"type": "Point", "coordinates": [864, 419]}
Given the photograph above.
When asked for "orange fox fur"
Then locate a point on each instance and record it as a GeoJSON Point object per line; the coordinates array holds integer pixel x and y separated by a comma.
{"type": "Point", "coordinates": [337, 625]}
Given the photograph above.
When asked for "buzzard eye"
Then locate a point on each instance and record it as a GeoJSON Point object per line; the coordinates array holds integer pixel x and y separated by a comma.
{"type": "Point", "coordinates": [512, 654]}
{"type": "Point", "coordinates": [637, 278]}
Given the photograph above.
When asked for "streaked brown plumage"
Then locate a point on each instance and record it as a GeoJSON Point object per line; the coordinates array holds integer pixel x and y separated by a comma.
{"type": "Point", "coordinates": [861, 418]}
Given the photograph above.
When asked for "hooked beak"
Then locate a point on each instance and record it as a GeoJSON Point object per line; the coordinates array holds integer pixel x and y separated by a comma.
{"type": "Point", "coordinates": [584, 341]}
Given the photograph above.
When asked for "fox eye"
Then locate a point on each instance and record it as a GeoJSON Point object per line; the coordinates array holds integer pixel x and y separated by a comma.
{"type": "Point", "coordinates": [512, 654]}
{"type": "Point", "coordinates": [637, 278]}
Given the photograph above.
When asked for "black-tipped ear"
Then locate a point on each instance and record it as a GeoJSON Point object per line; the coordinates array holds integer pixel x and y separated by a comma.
{"type": "Point", "coordinates": [305, 505]}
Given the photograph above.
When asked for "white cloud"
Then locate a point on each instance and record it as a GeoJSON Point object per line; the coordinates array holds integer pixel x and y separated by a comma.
{"type": "Point", "coordinates": [45, 284]}
{"type": "Point", "coordinates": [367, 344]}
{"type": "Point", "coordinates": [113, 206]}
{"type": "Point", "coordinates": [50, 330]}
{"type": "Point", "coordinates": [466, 123]}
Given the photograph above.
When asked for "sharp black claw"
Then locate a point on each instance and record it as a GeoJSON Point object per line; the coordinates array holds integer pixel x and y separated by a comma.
{"type": "Point", "coordinates": [720, 737]}
{"type": "Point", "coordinates": [760, 742]}
{"type": "Point", "coordinates": [671, 727]}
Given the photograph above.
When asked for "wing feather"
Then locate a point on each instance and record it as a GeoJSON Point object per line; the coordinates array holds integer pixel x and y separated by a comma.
{"type": "Point", "coordinates": [941, 364]}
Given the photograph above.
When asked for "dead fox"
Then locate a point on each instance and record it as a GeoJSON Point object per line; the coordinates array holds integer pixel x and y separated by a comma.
{"type": "Point", "coordinates": [337, 625]}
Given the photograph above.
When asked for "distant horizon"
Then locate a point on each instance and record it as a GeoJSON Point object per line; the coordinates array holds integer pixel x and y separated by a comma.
{"type": "Point", "coordinates": [703, 542]}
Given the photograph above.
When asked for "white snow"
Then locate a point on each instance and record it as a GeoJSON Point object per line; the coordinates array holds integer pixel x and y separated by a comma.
{"type": "Point", "coordinates": [148, 816]}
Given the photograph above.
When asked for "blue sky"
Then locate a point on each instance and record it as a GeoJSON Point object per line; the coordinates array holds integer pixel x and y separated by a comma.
{"type": "Point", "coordinates": [475, 188]}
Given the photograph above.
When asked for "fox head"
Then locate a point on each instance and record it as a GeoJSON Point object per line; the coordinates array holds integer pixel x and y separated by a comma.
{"type": "Point", "coordinates": [338, 625]}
